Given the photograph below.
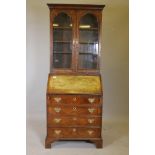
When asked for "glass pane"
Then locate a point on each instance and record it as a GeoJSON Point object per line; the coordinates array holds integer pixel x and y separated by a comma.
{"type": "Point", "coordinates": [62, 41]}
{"type": "Point", "coordinates": [88, 61]}
{"type": "Point", "coordinates": [62, 60]}
{"type": "Point", "coordinates": [88, 41]}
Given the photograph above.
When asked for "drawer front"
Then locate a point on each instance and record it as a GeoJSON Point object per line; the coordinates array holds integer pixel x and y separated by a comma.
{"type": "Point", "coordinates": [73, 121]}
{"type": "Point", "coordinates": [74, 132]}
{"type": "Point", "coordinates": [73, 99]}
{"type": "Point", "coordinates": [74, 110]}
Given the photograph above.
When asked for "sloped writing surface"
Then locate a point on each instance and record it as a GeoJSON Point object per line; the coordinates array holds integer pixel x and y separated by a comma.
{"type": "Point", "coordinates": [73, 84]}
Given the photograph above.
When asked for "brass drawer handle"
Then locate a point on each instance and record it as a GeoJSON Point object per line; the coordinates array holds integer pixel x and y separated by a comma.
{"type": "Point", "coordinates": [74, 99]}
{"type": "Point", "coordinates": [57, 99]}
{"type": "Point", "coordinates": [57, 120]}
{"type": "Point", "coordinates": [91, 100]}
{"type": "Point", "coordinates": [57, 132]}
{"type": "Point", "coordinates": [90, 132]}
{"type": "Point", "coordinates": [91, 120]}
{"type": "Point", "coordinates": [57, 109]}
{"type": "Point", "coordinates": [91, 110]}
{"type": "Point", "coordinates": [74, 109]}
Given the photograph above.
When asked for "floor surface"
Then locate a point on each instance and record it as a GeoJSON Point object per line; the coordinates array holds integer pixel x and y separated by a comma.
{"type": "Point", "coordinates": [115, 140]}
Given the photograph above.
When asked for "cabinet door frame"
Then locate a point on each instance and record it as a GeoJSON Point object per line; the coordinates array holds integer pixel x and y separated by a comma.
{"type": "Point", "coordinates": [72, 15]}
{"type": "Point", "coordinates": [98, 15]}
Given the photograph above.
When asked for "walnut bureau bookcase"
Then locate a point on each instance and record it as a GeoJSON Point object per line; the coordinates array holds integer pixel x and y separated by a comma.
{"type": "Point", "coordinates": [74, 97]}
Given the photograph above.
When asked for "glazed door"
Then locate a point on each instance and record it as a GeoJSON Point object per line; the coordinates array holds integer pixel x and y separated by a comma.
{"type": "Point", "coordinates": [62, 40]}
{"type": "Point", "coordinates": [88, 25]}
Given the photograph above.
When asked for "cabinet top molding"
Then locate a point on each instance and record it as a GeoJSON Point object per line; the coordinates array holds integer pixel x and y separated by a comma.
{"type": "Point", "coordinates": [76, 6]}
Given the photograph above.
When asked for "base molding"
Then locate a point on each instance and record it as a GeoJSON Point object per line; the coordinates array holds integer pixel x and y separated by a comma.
{"type": "Point", "coordinates": [97, 141]}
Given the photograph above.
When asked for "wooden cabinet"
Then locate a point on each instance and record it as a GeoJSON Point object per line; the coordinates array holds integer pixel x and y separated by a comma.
{"type": "Point", "coordinates": [74, 90]}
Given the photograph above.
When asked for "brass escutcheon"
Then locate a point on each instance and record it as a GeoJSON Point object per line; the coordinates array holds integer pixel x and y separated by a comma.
{"type": "Point", "coordinates": [74, 109]}
{"type": "Point", "coordinates": [74, 130]}
{"type": "Point", "coordinates": [74, 99]}
{"type": "Point", "coordinates": [74, 118]}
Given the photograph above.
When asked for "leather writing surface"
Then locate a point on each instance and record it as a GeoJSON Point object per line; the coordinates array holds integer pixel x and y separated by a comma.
{"type": "Point", "coordinates": [74, 84]}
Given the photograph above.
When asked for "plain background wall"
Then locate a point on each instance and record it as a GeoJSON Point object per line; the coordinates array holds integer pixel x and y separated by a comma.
{"type": "Point", "coordinates": [114, 56]}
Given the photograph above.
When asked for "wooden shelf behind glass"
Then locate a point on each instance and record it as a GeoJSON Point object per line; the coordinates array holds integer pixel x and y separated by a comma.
{"type": "Point", "coordinates": [88, 29]}
{"type": "Point", "coordinates": [87, 53]}
{"type": "Point", "coordinates": [62, 28]}
{"type": "Point", "coordinates": [85, 42]}
{"type": "Point", "coordinates": [62, 41]}
{"type": "Point", "coordinates": [62, 52]}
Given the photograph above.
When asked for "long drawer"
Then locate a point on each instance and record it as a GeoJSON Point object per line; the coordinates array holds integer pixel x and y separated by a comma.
{"type": "Point", "coordinates": [74, 110]}
{"type": "Point", "coordinates": [73, 121]}
{"type": "Point", "coordinates": [74, 132]}
{"type": "Point", "coordinates": [73, 99]}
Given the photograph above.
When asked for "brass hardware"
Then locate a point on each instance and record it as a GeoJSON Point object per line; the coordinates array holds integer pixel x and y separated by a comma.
{"type": "Point", "coordinates": [57, 99]}
{"type": "Point", "coordinates": [74, 109]}
{"type": "Point", "coordinates": [57, 132]}
{"type": "Point", "coordinates": [91, 100]}
{"type": "Point", "coordinates": [90, 132]}
{"type": "Point", "coordinates": [74, 118]}
{"type": "Point", "coordinates": [91, 110]}
{"type": "Point", "coordinates": [74, 130]}
{"type": "Point", "coordinates": [90, 120]}
{"type": "Point", "coordinates": [57, 120]}
{"type": "Point", "coordinates": [57, 109]}
{"type": "Point", "coordinates": [74, 99]}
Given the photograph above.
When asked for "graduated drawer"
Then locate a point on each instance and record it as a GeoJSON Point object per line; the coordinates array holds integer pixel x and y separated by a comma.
{"type": "Point", "coordinates": [73, 121]}
{"type": "Point", "coordinates": [74, 110]}
{"type": "Point", "coordinates": [73, 99]}
{"type": "Point", "coordinates": [74, 132]}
